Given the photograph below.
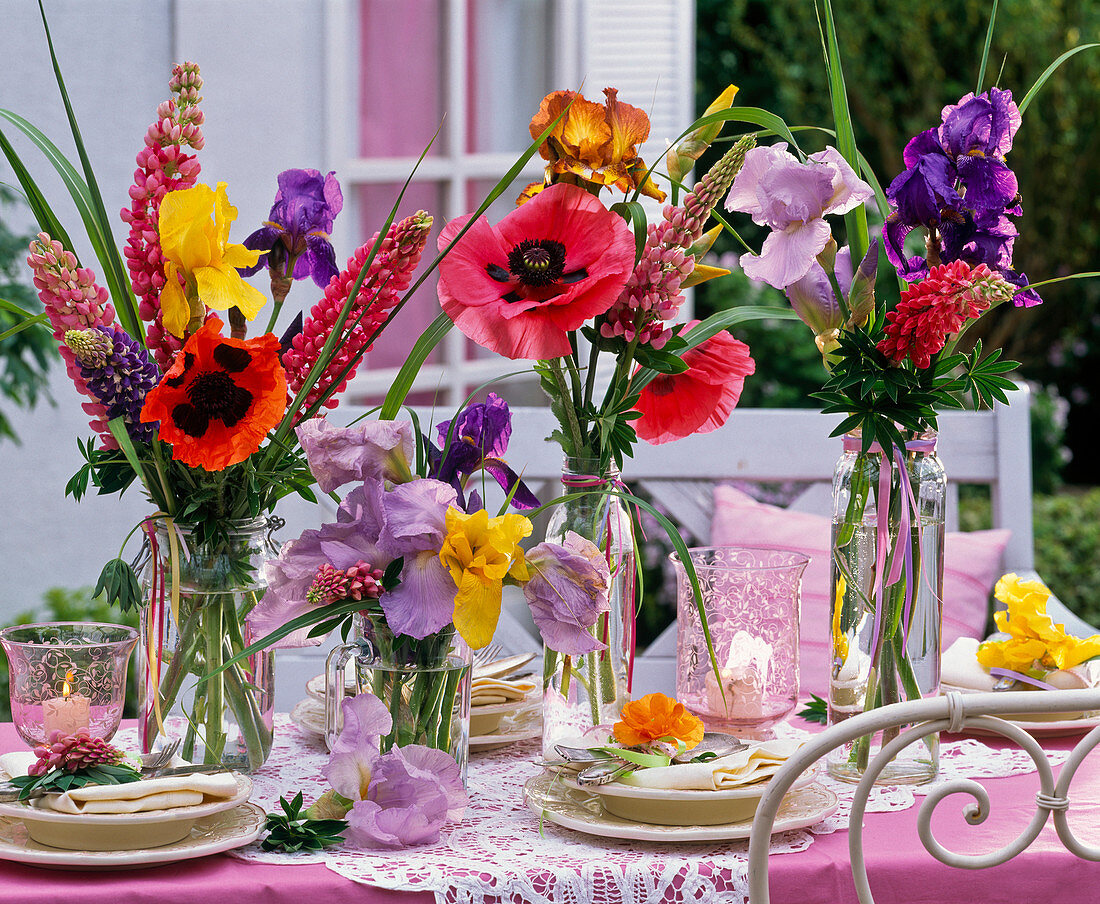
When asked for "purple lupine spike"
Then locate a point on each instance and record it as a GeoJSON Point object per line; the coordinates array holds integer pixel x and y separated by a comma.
{"type": "Point", "coordinates": [118, 373]}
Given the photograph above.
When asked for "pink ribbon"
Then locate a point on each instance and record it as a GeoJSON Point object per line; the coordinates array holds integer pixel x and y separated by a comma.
{"type": "Point", "coordinates": [909, 515]}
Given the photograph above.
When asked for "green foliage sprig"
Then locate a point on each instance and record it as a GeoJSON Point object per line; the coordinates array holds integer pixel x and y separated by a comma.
{"type": "Point", "coordinates": [61, 781]}
{"type": "Point", "coordinates": [292, 831]}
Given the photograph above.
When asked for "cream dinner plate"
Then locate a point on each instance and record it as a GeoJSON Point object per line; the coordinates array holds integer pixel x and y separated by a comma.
{"type": "Point", "coordinates": [118, 831]}
{"type": "Point", "coordinates": [212, 834]}
{"type": "Point", "coordinates": [659, 806]}
{"type": "Point", "coordinates": [549, 797]}
{"type": "Point", "coordinates": [523, 725]}
{"type": "Point", "coordinates": [309, 715]}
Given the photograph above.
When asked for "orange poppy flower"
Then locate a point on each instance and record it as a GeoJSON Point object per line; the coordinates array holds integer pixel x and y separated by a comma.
{"type": "Point", "coordinates": [220, 398]}
{"type": "Point", "coordinates": [656, 716]}
{"type": "Point", "coordinates": [595, 143]}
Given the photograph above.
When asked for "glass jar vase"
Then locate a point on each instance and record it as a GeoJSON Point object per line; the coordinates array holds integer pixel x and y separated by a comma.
{"type": "Point", "coordinates": [581, 692]}
{"type": "Point", "coordinates": [425, 685]}
{"type": "Point", "coordinates": [887, 593]}
{"type": "Point", "coordinates": [198, 591]}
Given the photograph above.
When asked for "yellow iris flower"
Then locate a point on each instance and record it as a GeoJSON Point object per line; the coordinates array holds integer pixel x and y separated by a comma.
{"type": "Point", "coordinates": [1035, 639]}
{"type": "Point", "coordinates": [194, 239]}
{"type": "Point", "coordinates": [480, 552]}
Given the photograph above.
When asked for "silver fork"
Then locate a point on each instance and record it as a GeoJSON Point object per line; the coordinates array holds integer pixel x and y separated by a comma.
{"type": "Point", "coordinates": [153, 766]}
{"type": "Point", "coordinates": [486, 655]}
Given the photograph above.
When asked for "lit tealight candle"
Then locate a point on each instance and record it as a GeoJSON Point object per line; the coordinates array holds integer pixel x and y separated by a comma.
{"type": "Point", "coordinates": [68, 713]}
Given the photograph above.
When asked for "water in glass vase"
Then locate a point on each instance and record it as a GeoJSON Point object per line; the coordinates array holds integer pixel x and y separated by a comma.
{"type": "Point", "coordinates": [904, 663]}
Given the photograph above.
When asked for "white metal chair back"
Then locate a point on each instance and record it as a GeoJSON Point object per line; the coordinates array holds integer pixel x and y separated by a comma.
{"type": "Point", "coordinates": [953, 713]}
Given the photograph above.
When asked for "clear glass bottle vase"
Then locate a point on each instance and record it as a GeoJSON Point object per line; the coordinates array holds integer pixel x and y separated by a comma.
{"type": "Point", "coordinates": [581, 692]}
{"type": "Point", "coordinates": [887, 597]}
{"type": "Point", "coordinates": [198, 591]}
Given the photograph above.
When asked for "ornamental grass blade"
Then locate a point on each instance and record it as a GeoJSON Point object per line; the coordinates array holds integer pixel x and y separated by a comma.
{"type": "Point", "coordinates": [985, 50]}
{"type": "Point", "coordinates": [23, 324]}
{"type": "Point", "coordinates": [855, 221]}
{"type": "Point", "coordinates": [114, 270]}
{"type": "Point", "coordinates": [1048, 72]}
{"type": "Point", "coordinates": [43, 213]}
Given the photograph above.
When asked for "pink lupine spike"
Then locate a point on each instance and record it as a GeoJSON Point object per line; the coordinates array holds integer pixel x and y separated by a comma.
{"type": "Point", "coordinates": [72, 301]}
{"type": "Point", "coordinates": [389, 274]}
{"type": "Point", "coordinates": [162, 167]}
{"type": "Point", "coordinates": [652, 297]}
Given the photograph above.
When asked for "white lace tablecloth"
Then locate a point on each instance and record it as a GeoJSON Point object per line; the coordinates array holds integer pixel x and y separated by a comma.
{"type": "Point", "coordinates": [499, 852]}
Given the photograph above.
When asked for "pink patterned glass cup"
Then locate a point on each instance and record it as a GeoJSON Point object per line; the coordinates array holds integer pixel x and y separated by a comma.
{"type": "Point", "coordinates": [67, 676]}
{"type": "Point", "coordinates": [752, 599]}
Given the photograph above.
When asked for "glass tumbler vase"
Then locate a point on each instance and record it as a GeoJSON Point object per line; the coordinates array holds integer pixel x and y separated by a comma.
{"type": "Point", "coordinates": [752, 599]}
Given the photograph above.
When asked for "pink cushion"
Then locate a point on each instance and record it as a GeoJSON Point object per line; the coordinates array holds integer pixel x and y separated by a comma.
{"type": "Point", "coordinates": [972, 564]}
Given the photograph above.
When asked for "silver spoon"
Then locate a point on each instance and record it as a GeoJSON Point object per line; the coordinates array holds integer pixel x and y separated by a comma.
{"type": "Point", "coordinates": [604, 768]}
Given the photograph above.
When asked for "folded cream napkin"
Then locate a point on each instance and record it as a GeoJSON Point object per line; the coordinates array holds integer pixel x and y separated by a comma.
{"type": "Point", "coordinates": [745, 767]}
{"type": "Point", "coordinates": [489, 691]}
{"type": "Point", "coordinates": [17, 762]}
{"type": "Point", "coordinates": [959, 666]}
{"type": "Point", "coordinates": [137, 797]}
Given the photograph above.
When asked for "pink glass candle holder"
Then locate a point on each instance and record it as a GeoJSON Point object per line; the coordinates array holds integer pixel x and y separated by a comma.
{"type": "Point", "coordinates": [67, 676]}
{"type": "Point", "coordinates": [752, 599]}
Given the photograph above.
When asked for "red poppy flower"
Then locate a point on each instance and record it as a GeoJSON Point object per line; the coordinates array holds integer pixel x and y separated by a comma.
{"type": "Point", "coordinates": [519, 287]}
{"type": "Point", "coordinates": [701, 398]}
{"type": "Point", "coordinates": [220, 398]}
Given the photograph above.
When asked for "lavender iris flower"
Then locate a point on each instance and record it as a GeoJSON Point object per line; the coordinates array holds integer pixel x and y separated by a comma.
{"type": "Point", "coordinates": [567, 592]}
{"type": "Point", "coordinates": [376, 527]}
{"type": "Point", "coordinates": [792, 198]}
{"type": "Point", "coordinates": [402, 797]}
{"type": "Point", "coordinates": [475, 440]}
{"type": "Point", "coordinates": [340, 455]}
{"type": "Point", "coordinates": [414, 791]}
{"type": "Point", "coordinates": [299, 226]}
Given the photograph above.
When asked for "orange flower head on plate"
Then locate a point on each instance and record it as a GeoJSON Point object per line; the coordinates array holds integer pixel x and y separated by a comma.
{"type": "Point", "coordinates": [654, 717]}
{"type": "Point", "coordinates": [219, 399]}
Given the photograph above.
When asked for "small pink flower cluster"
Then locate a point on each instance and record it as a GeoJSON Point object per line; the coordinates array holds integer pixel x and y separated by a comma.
{"type": "Point", "coordinates": [389, 274]}
{"type": "Point", "coordinates": [162, 167]}
{"type": "Point", "coordinates": [936, 307]}
{"type": "Point", "coordinates": [652, 297]}
{"type": "Point", "coordinates": [71, 753]}
{"type": "Point", "coordinates": [356, 583]}
{"type": "Point", "coordinates": [73, 301]}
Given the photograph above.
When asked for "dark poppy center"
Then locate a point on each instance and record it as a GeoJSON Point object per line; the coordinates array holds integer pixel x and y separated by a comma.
{"type": "Point", "coordinates": [662, 385]}
{"type": "Point", "coordinates": [211, 396]}
{"type": "Point", "coordinates": [537, 262]}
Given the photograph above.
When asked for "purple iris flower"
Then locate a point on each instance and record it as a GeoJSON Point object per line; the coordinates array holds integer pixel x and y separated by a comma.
{"type": "Point", "coordinates": [956, 182]}
{"type": "Point", "coordinates": [475, 441]}
{"type": "Point", "coordinates": [340, 455]}
{"type": "Point", "coordinates": [299, 226]}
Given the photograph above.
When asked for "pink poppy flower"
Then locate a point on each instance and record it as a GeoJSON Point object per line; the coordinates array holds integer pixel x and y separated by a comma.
{"type": "Point", "coordinates": [519, 287]}
{"type": "Point", "coordinates": [701, 398]}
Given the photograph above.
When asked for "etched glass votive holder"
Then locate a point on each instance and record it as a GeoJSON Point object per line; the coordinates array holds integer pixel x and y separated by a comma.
{"type": "Point", "coordinates": [752, 599]}
{"type": "Point", "coordinates": [67, 676]}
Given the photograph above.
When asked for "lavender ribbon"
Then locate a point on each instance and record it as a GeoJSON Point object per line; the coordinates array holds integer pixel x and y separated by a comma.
{"type": "Point", "coordinates": [1019, 676]}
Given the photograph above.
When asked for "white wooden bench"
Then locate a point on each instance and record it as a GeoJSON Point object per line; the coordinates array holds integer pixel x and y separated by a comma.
{"type": "Point", "coordinates": [764, 445]}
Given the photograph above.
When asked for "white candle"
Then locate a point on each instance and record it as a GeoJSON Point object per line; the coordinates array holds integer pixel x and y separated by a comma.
{"type": "Point", "coordinates": [67, 714]}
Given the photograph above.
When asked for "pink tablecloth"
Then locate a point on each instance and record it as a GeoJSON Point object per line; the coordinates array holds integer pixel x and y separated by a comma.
{"type": "Point", "coordinates": [900, 870]}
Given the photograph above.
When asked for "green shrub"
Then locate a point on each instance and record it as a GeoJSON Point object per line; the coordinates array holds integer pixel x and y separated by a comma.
{"type": "Point", "coordinates": [61, 604]}
{"type": "Point", "coordinates": [1067, 539]}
